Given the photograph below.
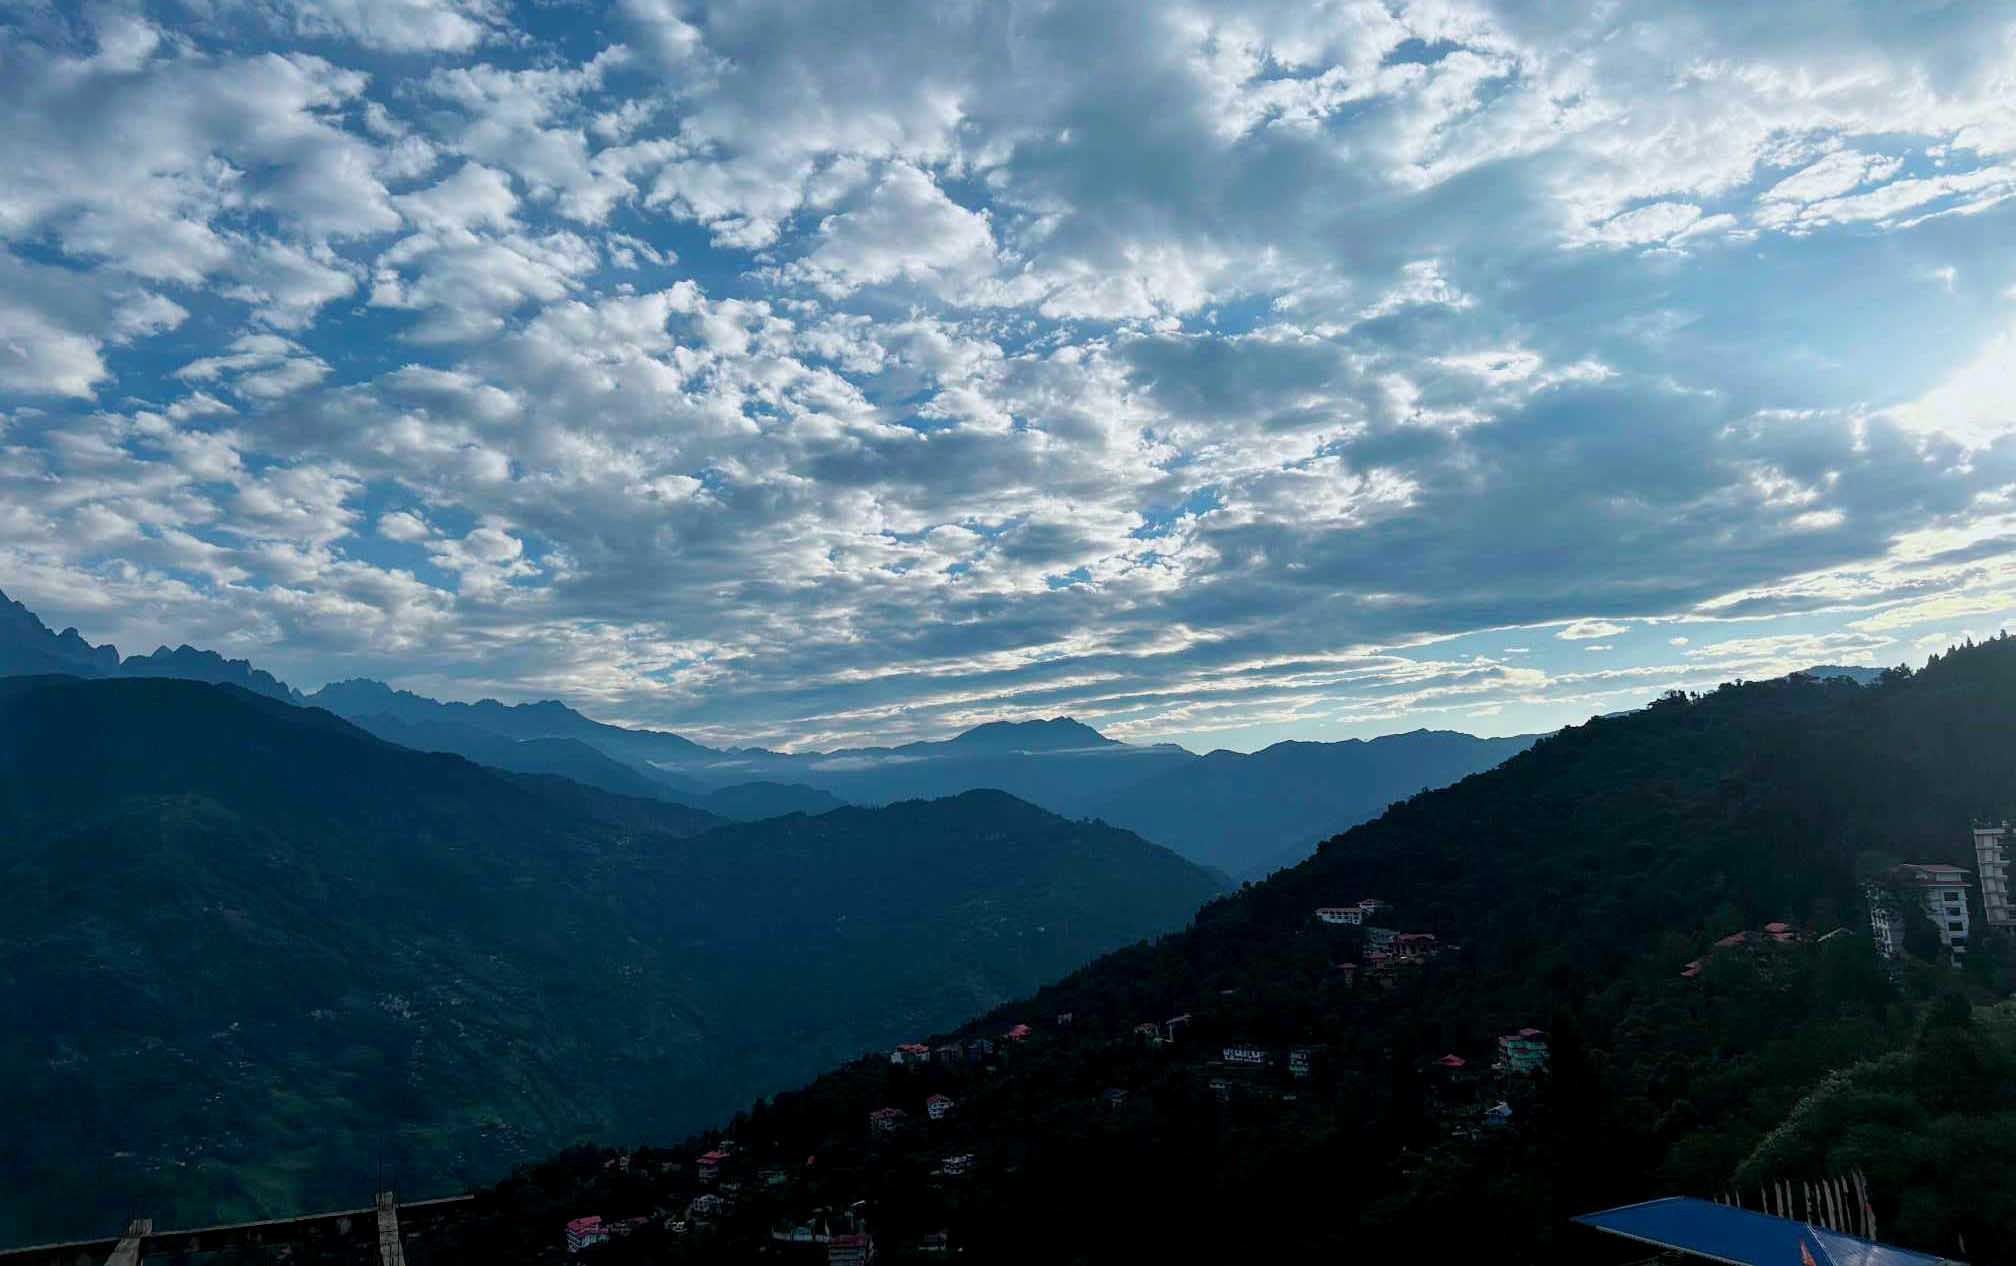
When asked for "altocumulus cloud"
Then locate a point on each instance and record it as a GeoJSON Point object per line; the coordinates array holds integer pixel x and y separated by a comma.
{"type": "Point", "coordinates": [797, 374]}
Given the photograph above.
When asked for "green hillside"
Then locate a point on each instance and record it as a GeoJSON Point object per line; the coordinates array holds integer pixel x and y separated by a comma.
{"type": "Point", "coordinates": [1570, 890]}
{"type": "Point", "coordinates": [252, 958]}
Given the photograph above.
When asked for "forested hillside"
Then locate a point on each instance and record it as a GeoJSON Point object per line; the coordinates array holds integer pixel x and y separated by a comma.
{"type": "Point", "coordinates": [1610, 887]}
{"type": "Point", "coordinates": [252, 958]}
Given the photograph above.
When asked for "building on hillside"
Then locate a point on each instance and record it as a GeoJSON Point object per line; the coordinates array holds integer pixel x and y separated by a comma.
{"type": "Point", "coordinates": [1064, 1019]}
{"type": "Point", "coordinates": [582, 1232]}
{"type": "Point", "coordinates": [708, 1166]}
{"type": "Point", "coordinates": [1221, 1088]}
{"type": "Point", "coordinates": [1175, 1024]}
{"type": "Point", "coordinates": [934, 1243]}
{"type": "Point", "coordinates": [911, 1053]}
{"type": "Point", "coordinates": [949, 1053]}
{"type": "Point", "coordinates": [1524, 1052]}
{"type": "Point", "coordinates": [1380, 939]}
{"type": "Point", "coordinates": [1302, 1060]}
{"type": "Point", "coordinates": [979, 1048]}
{"type": "Point", "coordinates": [1346, 972]}
{"type": "Point", "coordinates": [1149, 1032]}
{"type": "Point", "coordinates": [937, 1106]}
{"type": "Point", "coordinates": [1350, 916]}
{"type": "Point", "coordinates": [886, 1120]}
{"type": "Point", "coordinates": [1735, 940]}
{"type": "Point", "coordinates": [1783, 933]}
{"type": "Point", "coordinates": [1991, 856]}
{"type": "Point", "coordinates": [1942, 890]}
{"type": "Point", "coordinates": [773, 1177]}
{"type": "Point", "coordinates": [1414, 945]}
{"type": "Point", "coordinates": [1498, 1115]}
{"type": "Point", "coordinates": [705, 1208]}
{"type": "Point", "coordinates": [1886, 922]}
{"type": "Point", "coordinates": [1019, 1033]}
{"type": "Point", "coordinates": [1692, 969]}
{"type": "Point", "coordinates": [956, 1166]}
{"type": "Point", "coordinates": [1247, 1056]}
{"type": "Point", "coordinates": [1114, 1097]}
{"type": "Point", "coordinates": [851, 1248]}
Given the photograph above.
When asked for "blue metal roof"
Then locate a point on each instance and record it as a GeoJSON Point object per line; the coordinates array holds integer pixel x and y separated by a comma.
{"type": "Point", "coordinates": [1739, 1237]}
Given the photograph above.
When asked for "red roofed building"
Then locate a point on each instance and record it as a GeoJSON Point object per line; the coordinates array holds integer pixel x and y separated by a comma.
{"type": "Point", "coordinates": [1691, 970]}
{"type": "Point", "coordinates": [1018, 1033]}
{"type": "Point", "coordinates": [709, 1164]}
{"type": "Point", "coordinates": [1452, 1062]}
{"type": "Point", "coordinates": [911, 1053]}
{"type": "Point", "coordinates": [937, 1106]}
{"type": "Point", "coordinates": [885, 1120]}
{"type": "Point", "coordinates": [1783, 933]}
{"type": "Point", "coordinates": [582, 1232]}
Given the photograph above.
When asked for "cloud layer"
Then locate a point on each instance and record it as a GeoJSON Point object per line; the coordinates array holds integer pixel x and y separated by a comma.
{"type": "Point", "coordinates": [1207, 371]}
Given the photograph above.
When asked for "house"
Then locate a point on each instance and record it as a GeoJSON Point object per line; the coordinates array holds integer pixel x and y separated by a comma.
{"type": "Point", "coordinates": [1302, 1060]}
{"type": "Point", "coordinates": [1942, 890]}
{"type": "Point", "coordinates": [1783, 933]}
{"type": "Point", "coordinates": [853, 1248]}
{"type": "Point", "coordinates": [1175, 1024]}
{"type": "Point", "coordinates": [948, 1054]}
{"type": "Point", "coordinates": [1344, 915]}
{"type": "Point", "coordinates": [772, 1177]}
{"type": "Point", "coordinates": [624, 1226]}
{"type": "Point", "coordinates": [1372, 905]}
{"type": "Point", "coordinates": [1733, 940]}
{"type": "Point", "coordinates": [886, 1120]}
{"type": "Point", "coordinates": [979, 1048]}
{"type": "Point", "coordinates": [1524, 1052]}
{"type": "Point", "coordinates": [708, 1167]}
{"type": "Point", "coordinates": [934, 1242]}
{"type": "Point", "coordinates": [1064, 1019]}
{"type": "Point", "coordinates": [582, 1232]}
{"type": "Point", "coordinates": [1452, 1063]}
{"type": "Point", "coordinates": [954, 1166]}
{"type": "Point", "coordinates": [1221, 1088]}
{"type": "Point", "coordinates": [703, 1209]}
{"type": "Point", "coordinates": [911, 1053]}
{"type": "Point", "coordinates": [1886, 922]}
{"type": "Point", "coordinates": [1380, 939]}
{"type": "Point", "coordinates": [1248, 1056]}
{"type": "Point", "coordinates": [1017, 1034]}
{"type": "Point", "coordinates": [1412, 945]}
{"type": "Point", "coordinates": [1498, 1115]}
{"type": "Point", "coordinates": [1114, 1096]}
{"type": "Point", "coordinates": [1991, 854]}
{"type": "Point", "coordinates": [937, 1106]}
{"type": "Point", "coordinates": [1347, 972]}
{"type": "Point", "coordinates": [1149, 1031]}
{"type": "Point", "coordinates": [1691, 970]}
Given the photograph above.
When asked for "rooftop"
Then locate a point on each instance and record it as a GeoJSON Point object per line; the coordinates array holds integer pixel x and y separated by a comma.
{"type": "Point", "coordinates": [1739, 1237]}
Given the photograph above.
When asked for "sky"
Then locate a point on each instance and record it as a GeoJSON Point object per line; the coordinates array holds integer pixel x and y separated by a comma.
{"type": "Point", "coordinates": [815, 373]}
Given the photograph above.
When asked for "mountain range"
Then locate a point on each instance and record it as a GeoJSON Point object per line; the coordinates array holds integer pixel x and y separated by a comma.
{"type": "Point", "coordinates": [1244, 814]}
{"type": "Point", "coordinates": [1671, 903]}
{"type": "Point", "coordinates": [250, 954]}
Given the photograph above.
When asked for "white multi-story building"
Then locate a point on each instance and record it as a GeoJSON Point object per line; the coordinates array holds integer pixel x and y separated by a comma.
{"type": "Point", "coordinates": [1991, 855]}
{"type": "Point", "coordinates": [1942, 890]}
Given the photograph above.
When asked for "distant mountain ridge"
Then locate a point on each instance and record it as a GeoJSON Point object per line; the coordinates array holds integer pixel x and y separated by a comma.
{"type": "Point", "coordinates": [1244, 814]}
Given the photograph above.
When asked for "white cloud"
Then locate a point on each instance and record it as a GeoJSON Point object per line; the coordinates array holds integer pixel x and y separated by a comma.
{"type": "Point", "coordinates": [400, 26]}
{"type": "Point", "coordinates": [1582, 630]}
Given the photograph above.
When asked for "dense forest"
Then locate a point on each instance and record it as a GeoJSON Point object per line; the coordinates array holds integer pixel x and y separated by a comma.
{"type": "Point", "coordinates": [1594, 887]}
{"type": "Point", "coordinates": [252, 958]}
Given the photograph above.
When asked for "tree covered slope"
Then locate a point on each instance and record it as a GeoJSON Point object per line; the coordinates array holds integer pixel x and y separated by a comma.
{"type": "Point", "coordinates": [250, 954]}
{"type": "Point", "coordinates": [1570, 889]}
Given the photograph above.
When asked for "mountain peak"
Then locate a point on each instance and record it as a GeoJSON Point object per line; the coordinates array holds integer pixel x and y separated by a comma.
{"type": "Point", "coordinates": [1054, 735]}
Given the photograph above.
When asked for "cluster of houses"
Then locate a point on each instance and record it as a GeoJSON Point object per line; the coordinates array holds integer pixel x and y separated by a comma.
{"type": "Point", "coordinates": [1769, 934]}
{"type": "Point", "coordinates": [1388, 952]}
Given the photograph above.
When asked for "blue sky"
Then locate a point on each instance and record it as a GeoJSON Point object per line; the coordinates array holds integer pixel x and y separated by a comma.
{"type": "Point", "coordinates": [811, 374]}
